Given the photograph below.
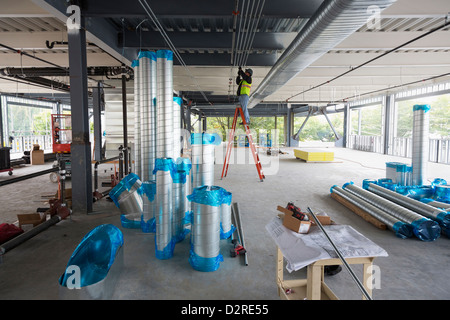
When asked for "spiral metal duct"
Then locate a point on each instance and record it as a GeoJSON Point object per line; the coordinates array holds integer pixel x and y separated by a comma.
{"type": "Point", "coordinates": [127, 198]}
{"type": "Point", "coordinates": [401, 229]}
{"type": "Point", "coordinates": [420, 144]}
{"type": "Point", "coordinates": [137, 117]}
{"type": "Point", "coordinates": [147, 84]}
{"type": "Point", "coordinates": [164, 242]}
{"type": "Point", "coordinates": [441, 216]}
{"type": "Point", "coordinates": [177, 101]}
{"type": "Point", "coordinates": [148, 191]}
{"type": "Point", "coordinates": [203, 157]}
{"type": "Point", "coordinates": [333, 22]}
{"type": "Point", "coordinates": [436, 204]}
{"type": "Point", "coordinates": [425, 229]}
{"type": "Point", "coordinates": [179, 205]}
{"type": "Point", "coordinates": [226, 226]}
{"type": "Point", "coordinates": [185, 165]}
{"type": "Point", "coordinates": [164, 104]}
{"type": "Point", "coordinates": [205, 228]}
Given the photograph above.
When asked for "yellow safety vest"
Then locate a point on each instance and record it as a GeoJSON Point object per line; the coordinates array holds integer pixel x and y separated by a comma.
{"type": "Point", "coordinates": [245, 87]}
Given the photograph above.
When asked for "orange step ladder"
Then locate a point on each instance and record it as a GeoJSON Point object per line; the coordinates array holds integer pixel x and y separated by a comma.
{"type": "Point", "coordinates": [250, 142]}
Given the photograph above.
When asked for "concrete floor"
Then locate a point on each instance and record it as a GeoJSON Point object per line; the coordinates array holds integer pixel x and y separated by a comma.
{"type": "Point", "coordinates": [414, 270]}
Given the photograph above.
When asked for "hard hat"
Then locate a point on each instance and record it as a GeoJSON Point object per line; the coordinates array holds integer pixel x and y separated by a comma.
{"type": "Point", "coordinates": [249, 71]}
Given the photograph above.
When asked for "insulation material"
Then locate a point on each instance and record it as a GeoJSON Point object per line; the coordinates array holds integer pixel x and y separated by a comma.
{"type": "Point", "coordinates": [315, 155]}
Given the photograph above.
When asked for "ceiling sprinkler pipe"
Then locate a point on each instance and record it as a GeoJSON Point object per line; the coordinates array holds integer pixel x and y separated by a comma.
{"type": "Point", "coordinates": [400, 228]}
{"type": "Point", "coordinates": [424, 228]}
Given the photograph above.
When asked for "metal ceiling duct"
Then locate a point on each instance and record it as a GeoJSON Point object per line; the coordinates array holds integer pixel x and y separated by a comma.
{"type": "Point", "coordinates": [425, 229]}
{"type": "Point", "coordinates": [401, 229]}
{"type": "Point", "coordinates": [333, 22]}
{"type": "Point", "coordinates": [420, 144]}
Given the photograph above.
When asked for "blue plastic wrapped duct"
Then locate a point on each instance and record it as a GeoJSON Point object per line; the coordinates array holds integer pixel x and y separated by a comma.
{"type": "Point", "coordinates": [206, 138]}
{"type": "Point", "coordinates": [226, 226]}
{"type": "Point", "coordinates": [164, 54]}
{"type": "Point", "coordinates": [207, 195]}
{"type": "Point", "coordinates": [179, 206]}
{"type": "Point", "coordinates": [424, 107]}
{"type": "Point", "coordinates": [442, 193]}
{"type": "Point", "coordinates": [126, 184]}
{"type": "Point", "coordinates": [95, 255]}
{"type": "Point", "coordinates": [164, 164]}
{"type": "Point", "coordinates": [184, 164]}
{"type": "Point", "coordinates": [147, 54]}
{"type": "Point", "coordinates": [204, 264]}
{"type": "Point", "coordinates": [148, 191]}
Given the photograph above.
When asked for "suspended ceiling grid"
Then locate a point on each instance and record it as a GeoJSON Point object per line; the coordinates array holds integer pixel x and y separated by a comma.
{"type": "Point", "coordinates": [202, 34]}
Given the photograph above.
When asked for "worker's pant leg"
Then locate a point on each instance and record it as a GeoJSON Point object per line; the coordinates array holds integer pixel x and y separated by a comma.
{"type": "Point", "coordinates": [243, 100]}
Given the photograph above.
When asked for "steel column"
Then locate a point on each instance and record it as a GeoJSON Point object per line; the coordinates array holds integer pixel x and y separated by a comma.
{"type": "Point", "coordinates": [81, 146]}
{"type": "Point", "coordinates": [97, 110]}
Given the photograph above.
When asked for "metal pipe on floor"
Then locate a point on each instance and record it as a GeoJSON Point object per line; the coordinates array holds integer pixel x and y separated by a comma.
{"type": "Point", "coordinates": [28, 176]}
{"type": "Point", "coordinates": [341, 257]}
{"type": "Point", "coordinates": [401, 229]}
{"type": "Point", "coordinates": [424, 228]}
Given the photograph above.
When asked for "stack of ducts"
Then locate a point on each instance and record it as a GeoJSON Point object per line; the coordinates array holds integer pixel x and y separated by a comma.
{"type": "Point", "coordinates": [401, 229]}
{"type": "Point", "coordinates": [436, 214]}
{"type": "Point", "coordinates": [424, 228]}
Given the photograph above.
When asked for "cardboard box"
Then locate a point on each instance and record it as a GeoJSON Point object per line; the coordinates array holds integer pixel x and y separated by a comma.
{"type": "Point", "coordinates": [28, 220]}
{"type": "Point", "coordinates": [295, 224]}
{"type": "Point", "coordinates": [37, 157]}
{"type": "Point", "coordinates": [324, 220]}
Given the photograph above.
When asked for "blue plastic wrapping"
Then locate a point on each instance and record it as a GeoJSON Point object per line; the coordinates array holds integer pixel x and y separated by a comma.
{"type": "Point", "coordinates": [179, 176]}
{"type": "Point", "coordinates": [226, 235]}
{"type": "Point", "coordinates": [124, 185]}
{"type": "Point", "coordinates": [167, 252]}
{"type": "Point", "coordinates": [178, 100]}
{"type": "Point", "coordinates": [366, 182]}
{"type": "Point", "coordinates": [442, 193]}
{"type": "Point", "coordinates": [438, 182]}
{"type": "Point", "coordinates": [147, 54]}
{"type": "Point", "coordinates": [164, 54]}
{"type": "Point", "coordinates": [426, 229]}
{"type": "Point", "coordinates": [424, 107]}
{"type": "Point", "coordinates": [206, 138]}
{"type": "Point", "coordinates": [208, 195]}
{"type": "Point", "coordinates": [135, 63]}
{"type": "Point", "coordinates": [95, 255]}
{"type": "Point", "coordinates": [183, 164]}
{"type": "Point", "coordinates": [164, 164]}
{"type": "Point", "coordinates": [204, 264]}
{"type": "Point", "coordinates": [129, 223]}
{"type": "Point", "coordinates": [148, 189]}
{"type": "Point", "coordinates": [402, 230]}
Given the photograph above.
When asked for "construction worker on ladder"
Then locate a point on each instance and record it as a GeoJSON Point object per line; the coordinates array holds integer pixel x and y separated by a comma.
{"type": "Point", "coordinates": [243, 91]}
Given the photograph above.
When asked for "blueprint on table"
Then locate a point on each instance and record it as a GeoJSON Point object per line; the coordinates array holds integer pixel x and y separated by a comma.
{"type": "Point", "coordinates": [301, 250]}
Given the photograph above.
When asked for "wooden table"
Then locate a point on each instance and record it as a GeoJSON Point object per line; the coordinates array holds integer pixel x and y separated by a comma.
{"type": "Point", "coordinates": [314, 287]}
